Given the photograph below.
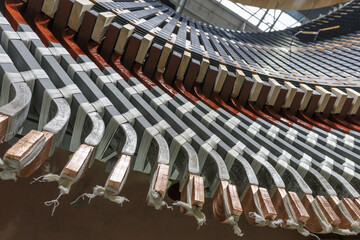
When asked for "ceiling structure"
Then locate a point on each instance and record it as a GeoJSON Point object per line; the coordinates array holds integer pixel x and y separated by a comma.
{"type": "Point", "coordinates": [234, 15]}
{"type": "Point", "coordinates": [290, 5]}
{"type": "Point", "coordinates": [263, 19]}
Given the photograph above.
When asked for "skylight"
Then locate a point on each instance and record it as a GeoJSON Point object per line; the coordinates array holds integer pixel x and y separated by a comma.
{"type": "Point", "coordinates": [265, 19]}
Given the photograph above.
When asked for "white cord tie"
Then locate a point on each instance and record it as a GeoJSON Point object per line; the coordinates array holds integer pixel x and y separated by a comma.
{"type": "Point", "coordinates": [261, 220]}
{"type": "Point", "coordinates": [131, 115]}
{"type": "Point", "coordinates": [156, 200]}
{"type": "Point", "coordinates": [101, 104]}
{"type": "Point", "coordinates": [208, 118]}
{"type": "Point", "coordinates": [162, 126]}
{"type": "Point", "coordinates": [193, 210]}
{"type": "Point", "coordinates": [254, 128]}
{"type": "Point", "coordinates": [101, 191]}
{"type": "Point", "coordinates": [163, 99]}
{"type": "Point", "coordinates": [232, 123]}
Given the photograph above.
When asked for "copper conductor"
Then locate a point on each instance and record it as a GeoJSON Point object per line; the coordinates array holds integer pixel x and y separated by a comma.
{"type": "Point", "coordinates": [300, 212]}
{"type": "Point", "coordinates": [267, 206]}
{"type": "Point", "coordinates": [218, 202]}
{"type": "Point", "coordinates": [118, 174]}
{"type": "Point", "coordinates": [197, 195]}
{"type": "Point", "coordinates": [161, 179]}
{"type": "Point", "coordinates": [312, 224]}
{"type": "Point", "coordinates": [352, 208]}
{"type": "Point", "coordinates": [40, 158]}
{"type": "Point", "coordinates": [79, 159]}
{"type": "Point", "coordinates": [248, 203]}
{"type": "Point", "coordinates": [24, 145]}
{"type": "Point", "coordinates": [329, 213]}
{"type": "Point", "coordinates": [233, 201]}
{"type": "Point", "coordinates": [357, 202]}
{"type": "Point", "coordinates": [278, 200]}
{"type": "Point", "coordinates": [3, 125]}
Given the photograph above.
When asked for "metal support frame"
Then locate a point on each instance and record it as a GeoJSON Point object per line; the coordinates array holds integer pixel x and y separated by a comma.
{"type": "Point", "coordinates": [262, 18]}
{"type": "Point", "coordinates": [181, 6]}
{"type": "Point", "coordinates": [275, 21]}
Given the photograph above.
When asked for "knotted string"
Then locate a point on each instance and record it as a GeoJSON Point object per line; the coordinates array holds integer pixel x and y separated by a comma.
{"type": "Point", "coordinates": [55, 202]}
{"type": "Point", "coordinates": [300, 228]}
{"type": "Point", "coordinates": [233, 221]}
{"type": "Point", "coordinates": [8, 173]}
{"type": "Point", "coordinates": [50, 177]}
{"type": "Point", "coordinates": [261, 220]}
{"type": "Point", "coordinates": [101, 191]}
{"type": "Point", "coordinates": [156, 200]}
{"type": "Point", "coordinates": [355, 226]}
{"type": "Point", "coordinates": [194, 210]}
{"type": "Point", "coordinates": [344, 232]}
